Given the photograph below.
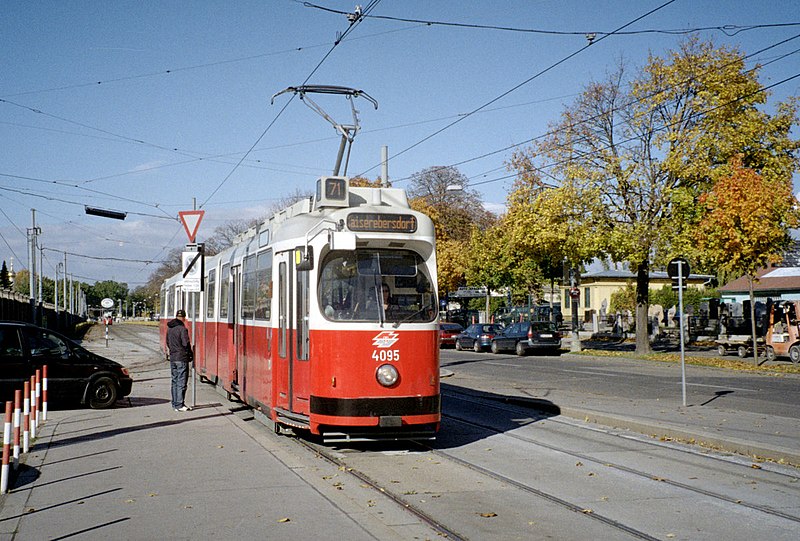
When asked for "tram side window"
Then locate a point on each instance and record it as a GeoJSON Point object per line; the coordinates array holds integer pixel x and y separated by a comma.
{"type": "Point", "coordinates": [171, 302]}
{"type": "Point", "coordinates": [250, 280]}
{"type": "Point", "coordinates": [224, 290]}
{"type": "Point", "coordinates": [211, 291]}
{"type": "Point", "coordinates": [352, 284]}
{"type": "Point", "coordinates": [264, 291]}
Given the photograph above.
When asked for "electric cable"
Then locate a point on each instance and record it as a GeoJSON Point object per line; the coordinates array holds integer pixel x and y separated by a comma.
{"type": "Point", "coordinates": [728, 29]}
{"type": "Point", "coordinates": [523, 83]}
{"type": "Point", "coordinates": [353, 24]}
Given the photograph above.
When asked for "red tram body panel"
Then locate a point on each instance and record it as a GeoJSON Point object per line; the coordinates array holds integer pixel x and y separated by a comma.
{"type": "Point", "coordinates": [324, 317]}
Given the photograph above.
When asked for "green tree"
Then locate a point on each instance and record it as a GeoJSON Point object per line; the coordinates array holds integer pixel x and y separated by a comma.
{"type": "Point", "coordinates": [106, 289]}
{"type": "Point", "coordinates": [22, 282]}
{"type": "Point", "coordinates": [489, 264]}
{"type": "Point", "coordinates": [648, 147]}
{"type": "Point", "coordinates": [5, 278]}
{"type": "Point", "coordinates": [549, 225]}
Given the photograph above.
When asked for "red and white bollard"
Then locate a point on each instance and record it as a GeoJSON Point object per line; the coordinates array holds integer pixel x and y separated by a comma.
{"type": "Point", "coordinates": [26, 416]}
{"type": "Point", "coordinates": [38, 397]}
{"type": "Point", "coordinates": [44, 393]}
{"type": "Point", "coordinates": [17, 407]}
{"type": "Point", "coordinates": [6, 448]}
{"type": "Point", "coordinates": [33, 407]}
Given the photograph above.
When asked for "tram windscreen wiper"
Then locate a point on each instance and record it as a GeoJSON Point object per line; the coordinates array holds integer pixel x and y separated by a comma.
{"type": "Point", "coordinates": [413, 315]}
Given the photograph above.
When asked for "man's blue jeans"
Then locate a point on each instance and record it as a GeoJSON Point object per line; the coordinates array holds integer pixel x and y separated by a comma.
{"type": "Point", "coordinates": [180, 375]}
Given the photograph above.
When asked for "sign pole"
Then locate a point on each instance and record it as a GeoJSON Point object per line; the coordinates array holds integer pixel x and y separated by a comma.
{"type": "Point", "coordinates": [194, 347]}
{"type": "Point", "coordinates": [683, 330]}
{"type": "Point", "coordinates": [193, 262]}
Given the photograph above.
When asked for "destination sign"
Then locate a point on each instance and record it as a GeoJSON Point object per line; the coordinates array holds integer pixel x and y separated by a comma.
{"type": "Point", "coordinates": [382, 223]}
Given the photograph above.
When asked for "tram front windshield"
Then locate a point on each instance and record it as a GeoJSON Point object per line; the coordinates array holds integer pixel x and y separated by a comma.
{"type": "Point", "coordinates": [390, 286]}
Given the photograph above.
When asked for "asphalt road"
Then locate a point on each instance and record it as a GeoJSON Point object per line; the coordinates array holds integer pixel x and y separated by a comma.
{"type": "Point", "coordinates": [584, 378]}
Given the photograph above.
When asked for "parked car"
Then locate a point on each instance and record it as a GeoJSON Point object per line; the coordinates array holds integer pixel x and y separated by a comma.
{"type": "Point", "coordinates": [448, 332]}
{"type": "Point", "coordinates": [477, 336]}
{"type": "Point", "coordinates": [74, 374]}
{"type": "Point", "coordinates": [526, 336]}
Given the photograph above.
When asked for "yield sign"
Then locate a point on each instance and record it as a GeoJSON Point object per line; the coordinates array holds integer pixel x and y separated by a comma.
{"type": "Point", "coordinates": [191, 221]}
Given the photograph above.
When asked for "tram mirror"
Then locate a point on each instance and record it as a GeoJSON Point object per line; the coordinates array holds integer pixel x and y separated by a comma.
{"type": "Point", "coordinates": [304, 262]}
{"type": "Point", "coordinates": [342, 240]}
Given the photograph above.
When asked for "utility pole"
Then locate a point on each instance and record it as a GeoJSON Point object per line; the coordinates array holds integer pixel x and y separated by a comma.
{"type": "Point", "coordinates": [65, 281]}
{"type": "Point", "coordinates": [33, 233]}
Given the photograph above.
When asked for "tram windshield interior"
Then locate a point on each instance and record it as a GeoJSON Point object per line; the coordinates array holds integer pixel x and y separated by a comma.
{"type": "Point", "coordinates": [376, 285]}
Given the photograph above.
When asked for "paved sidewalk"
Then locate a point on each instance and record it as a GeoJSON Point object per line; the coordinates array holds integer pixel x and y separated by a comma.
{"type": "Point", "coordinates": [144, 471]}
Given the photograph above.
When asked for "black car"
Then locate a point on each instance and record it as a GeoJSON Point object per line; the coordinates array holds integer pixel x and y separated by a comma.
{"type": "Point", "coordinates": [526, 336]}
{"type": "Point", "coordinates": [74, 374]}
{"type": "Point", "coordinates": [477, 336]}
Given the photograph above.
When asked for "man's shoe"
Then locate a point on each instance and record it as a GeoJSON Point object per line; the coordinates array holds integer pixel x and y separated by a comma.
{"type": "Point", "coordinates": [183, 408]}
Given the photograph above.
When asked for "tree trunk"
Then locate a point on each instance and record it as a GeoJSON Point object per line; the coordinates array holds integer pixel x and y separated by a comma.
{"type": "Point", "coordinates": [642, 305]}
{"type": "Point", "coordinates": [753, 320]}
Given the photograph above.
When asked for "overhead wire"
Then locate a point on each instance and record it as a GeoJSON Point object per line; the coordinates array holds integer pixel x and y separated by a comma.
{"type": "Point", "coordinates": [523, 83]}
{"type": "Point", "coordinates": [661, 128]}
{"type": "Point", "coordinates": [353, 23]}
{"type": "Point", "coordinates": [728, 29]}
{"type": "Point", "coordinates": [171, 71]}
{"type": "Point", "coordinates": [623, 106]}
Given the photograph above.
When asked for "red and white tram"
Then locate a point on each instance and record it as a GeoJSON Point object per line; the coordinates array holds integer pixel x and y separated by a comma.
{"type": "Point", "coordinates": [294, 321]}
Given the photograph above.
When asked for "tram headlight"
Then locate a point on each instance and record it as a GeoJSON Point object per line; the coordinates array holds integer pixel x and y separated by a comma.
{"type": "Point", "coordinates": [387, 375]}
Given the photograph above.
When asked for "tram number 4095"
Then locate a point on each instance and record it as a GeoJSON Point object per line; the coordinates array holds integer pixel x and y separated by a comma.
{"type": "Point", "coordinates": [386, 355]}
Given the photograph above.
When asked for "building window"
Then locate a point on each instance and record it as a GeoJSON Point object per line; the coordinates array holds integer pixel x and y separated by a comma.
{"type": "Point", "coordinates": [587, 303]}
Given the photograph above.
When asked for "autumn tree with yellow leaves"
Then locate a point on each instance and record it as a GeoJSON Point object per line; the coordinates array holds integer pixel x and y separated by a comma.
{"type": "Point", "coordinates": [642, 149]}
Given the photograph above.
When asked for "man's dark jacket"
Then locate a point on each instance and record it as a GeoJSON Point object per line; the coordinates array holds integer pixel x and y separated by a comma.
{"type": "Point", "coordinates": [178, 342]}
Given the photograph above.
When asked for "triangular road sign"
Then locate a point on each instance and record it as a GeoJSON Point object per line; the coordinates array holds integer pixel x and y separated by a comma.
{"type": "Point", "coordinates": [191, 221]}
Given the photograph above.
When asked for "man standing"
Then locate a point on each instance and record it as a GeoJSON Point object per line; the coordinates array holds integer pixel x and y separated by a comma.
{"type": "Point", "coordinates": [179, 351]}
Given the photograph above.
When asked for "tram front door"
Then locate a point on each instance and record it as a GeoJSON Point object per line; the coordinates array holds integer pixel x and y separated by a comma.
{"type": "Point", "coordinates": [291, 374]}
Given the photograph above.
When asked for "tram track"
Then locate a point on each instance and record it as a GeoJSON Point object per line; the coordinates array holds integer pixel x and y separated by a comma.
{"type": "Point", "coordinates": [583, 457]}
{"type": "Point", "coordinates": [328, 455]}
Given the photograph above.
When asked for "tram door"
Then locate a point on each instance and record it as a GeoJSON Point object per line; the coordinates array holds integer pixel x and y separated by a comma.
{"type": "Point", "coordinates": [235, 356]}
{"type": "Point", "coordinates": [292, 366]}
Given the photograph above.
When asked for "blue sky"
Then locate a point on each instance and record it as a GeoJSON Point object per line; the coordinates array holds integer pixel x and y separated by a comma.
{"type": "Point", "coordinates": [143, 107]}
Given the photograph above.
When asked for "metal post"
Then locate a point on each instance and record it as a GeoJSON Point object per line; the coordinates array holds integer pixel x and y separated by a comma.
{"type": "Point", "coordinates": [194, 348]}
{"type": "Point", "coordinates": [32, 264]}
{"type": "Point", "coordinates": [55, 288]}
{"type": "Point", "coordinates": [680, 311]}
{"type": "Point", "coordinates": [39, 298]}
{"type": "Point", "coordinates": [65, 281]}
{"type": "Point", "coordinates": [575, 343]}
{"type": "Point", "coordinates": [385, 166]}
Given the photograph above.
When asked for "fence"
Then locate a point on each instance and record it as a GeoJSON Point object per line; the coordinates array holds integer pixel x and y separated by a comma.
{"type": "Point", "coordinates": [17, 307]}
